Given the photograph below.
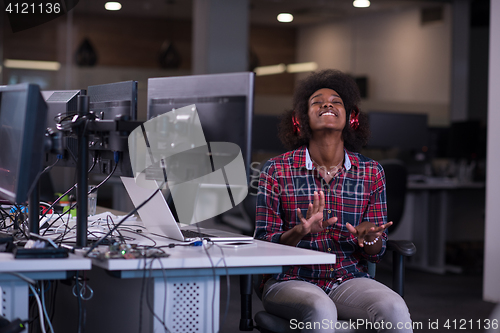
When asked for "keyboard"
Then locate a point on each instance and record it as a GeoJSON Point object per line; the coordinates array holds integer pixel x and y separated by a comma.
{"type": "Point", "coordinates": [194, 234]}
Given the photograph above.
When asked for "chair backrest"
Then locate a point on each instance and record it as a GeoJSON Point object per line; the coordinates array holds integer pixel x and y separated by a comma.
{"type": "Point", "coordinates": [396, 175]}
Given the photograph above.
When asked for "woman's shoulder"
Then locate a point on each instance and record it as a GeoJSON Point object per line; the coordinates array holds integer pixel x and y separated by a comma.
{"type": "Point", "coordinates": [363, 160]}
{"type": "Point", "coordinates": [289, 156]}
{"type": "Point", "coordinates": [285, 160]}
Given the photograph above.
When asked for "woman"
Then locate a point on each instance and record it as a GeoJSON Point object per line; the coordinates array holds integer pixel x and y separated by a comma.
{"type": "Point", "coordinates": [323, 196]}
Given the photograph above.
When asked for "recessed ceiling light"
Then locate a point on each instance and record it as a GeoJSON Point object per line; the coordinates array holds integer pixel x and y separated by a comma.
{"type": "Point", "coordinates": [285, 17]}
{"type": "Point", "coordinates": [361, 3]}
{"type": "Point", "coordinates": [302, 67]}
{"type": "Point", "coordinates": [113, 5]}
{"type": "Point", "coordinates": [269, 70]}
{"type": "Point", "coordinates": [32, 64]}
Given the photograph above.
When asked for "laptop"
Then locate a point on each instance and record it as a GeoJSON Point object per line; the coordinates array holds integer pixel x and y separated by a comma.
{"type": "Point", "coordinates": [158, 218]}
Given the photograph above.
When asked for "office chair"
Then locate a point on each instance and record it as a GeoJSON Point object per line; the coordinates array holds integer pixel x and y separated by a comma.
{"type": "Point", "coordinates": [396, 179]}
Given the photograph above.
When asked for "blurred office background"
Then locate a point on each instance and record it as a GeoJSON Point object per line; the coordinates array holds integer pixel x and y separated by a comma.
{"type": "Point", "coordinates": [423, 58]}
{"type": "Point", "coordinates": [422, 68]}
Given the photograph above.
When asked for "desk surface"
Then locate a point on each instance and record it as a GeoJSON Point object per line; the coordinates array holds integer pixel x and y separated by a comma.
{"type": "Point", "coordinates": [258, 254]}
{"type": "Point", "coordinates": [444, 184]}
{"type": "Point", "coordinates": [73, 263]}
{"type": "Point", "coordinates": [245, 259]}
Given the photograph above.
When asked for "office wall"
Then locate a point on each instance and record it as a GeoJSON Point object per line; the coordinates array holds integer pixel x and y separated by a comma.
{"type": "Point", "coordinates": [271, 46]}
{"type": "Point", "coordinates": [407, 63]}
{"type": "Point", "coordinates": [129, 48]}
{"type": "Point", "coordinates": [118, 41]}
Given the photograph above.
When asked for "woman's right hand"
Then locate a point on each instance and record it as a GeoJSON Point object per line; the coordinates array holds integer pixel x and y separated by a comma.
{"type": "Point", "coordinates": [313, 222]}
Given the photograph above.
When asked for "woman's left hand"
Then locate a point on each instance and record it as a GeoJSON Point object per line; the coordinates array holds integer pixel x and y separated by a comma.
{"type": "Point", "coordinates": [367, 231]}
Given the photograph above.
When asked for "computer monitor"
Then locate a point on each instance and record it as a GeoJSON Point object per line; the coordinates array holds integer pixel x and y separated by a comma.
{"type": "Point", "coordinates": [110, 100]}
{"type": "Point", "coordinates": [265, 134]}
{"type": "Point", "coordinates": [224, 103]}
{"type": "Point", "coordinates": [23, 114]}
{"type": "Point", "coordinates": [467, 140]}
{"type": "Point", "coordinates": [405, 131]}
{"type": "Point", "coordinates": [107, 102]}
{"type": "Point", "coordinates": [62, 104]}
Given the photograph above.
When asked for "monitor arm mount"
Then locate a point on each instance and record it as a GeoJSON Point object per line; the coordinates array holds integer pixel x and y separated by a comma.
{"type": "Point", "coordinates": [53, 143]}
{"type": "Point", "coordinates": [106, 134]}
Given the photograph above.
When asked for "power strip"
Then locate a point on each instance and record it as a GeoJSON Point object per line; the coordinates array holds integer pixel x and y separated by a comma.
{"type": "Point", "coordinates": [47, 252]}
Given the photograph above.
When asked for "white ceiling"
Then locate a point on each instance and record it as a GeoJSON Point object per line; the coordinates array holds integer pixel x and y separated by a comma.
{"type": "Point", "coordinates": [261, 11]}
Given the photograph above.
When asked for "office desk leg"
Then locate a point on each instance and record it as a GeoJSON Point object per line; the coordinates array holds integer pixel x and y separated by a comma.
{"type": "Point", "coordinates": [429, 230]}
{"type": "Point", "coordinates": [187, 304]}
{"type": "Point", "coordinates": [14, 299]}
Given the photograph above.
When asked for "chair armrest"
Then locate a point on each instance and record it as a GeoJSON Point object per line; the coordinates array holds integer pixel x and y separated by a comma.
{"type": "Point", "coordinates": [404, 247]}
{"type": "Point", "coordinates": [401, 249]}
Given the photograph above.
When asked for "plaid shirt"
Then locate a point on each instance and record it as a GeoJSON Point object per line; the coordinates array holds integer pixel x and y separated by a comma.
{"type": "Point", "coordinates": [355, 194]}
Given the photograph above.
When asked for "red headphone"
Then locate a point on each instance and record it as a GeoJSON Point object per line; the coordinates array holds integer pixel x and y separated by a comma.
{"type": "Point", "coordinates": [296, 125]}
{"type": "Point", "coordinates": [354, 118]}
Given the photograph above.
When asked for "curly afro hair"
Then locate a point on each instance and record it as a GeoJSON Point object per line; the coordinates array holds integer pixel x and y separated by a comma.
{"type": "Point", "coordinates": [344, 85]}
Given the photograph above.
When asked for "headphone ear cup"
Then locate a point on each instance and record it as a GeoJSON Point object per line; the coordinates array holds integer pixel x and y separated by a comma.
{"type": "Point", "coordinates": [296, 125]}
{"type": "Point", "coordinates": [354, 121]}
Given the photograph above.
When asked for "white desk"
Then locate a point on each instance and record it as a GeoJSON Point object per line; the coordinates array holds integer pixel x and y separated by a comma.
{"type": "Point", "coordinates": [444, 185]}
{"type": "Point", "coordinates": [190, 285]}
{"type": "Point", "coordinates": [15, 291]}
{"type": "Point", "coordinates": [426, 219]}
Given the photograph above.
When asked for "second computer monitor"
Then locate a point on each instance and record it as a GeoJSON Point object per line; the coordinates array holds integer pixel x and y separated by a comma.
{"type": "Point", "coordinates": [224, 103]}
{"type": "Point", "coordinates": [110, 100]}
{"type": "Point", "coordinates": [61, 106]}
{"type": "Point", "coordinates": [405, 131]}
{"type": "Point", "coordinates": [107, 102]}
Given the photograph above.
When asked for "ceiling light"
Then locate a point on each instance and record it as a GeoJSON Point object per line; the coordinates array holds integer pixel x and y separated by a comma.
{"type": "Point", "coordinates": [361, 3]}
{"type": "Point", "coordinates": [302, 67]}
{"type": "Point", "coordinates": [285, 17]}
{"type": "Point", "coordinates": [32, 64]}
{"type": "Point", "coordinates": [113, 5]}
{"type": "Point", "coordinates": [269, 70]}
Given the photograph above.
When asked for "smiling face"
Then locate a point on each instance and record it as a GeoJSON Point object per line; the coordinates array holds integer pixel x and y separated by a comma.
{"type": "Point", "coordinates": [326, 110]}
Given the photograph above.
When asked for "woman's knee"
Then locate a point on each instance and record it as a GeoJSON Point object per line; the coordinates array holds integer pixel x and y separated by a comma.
{"type": "Point", "coordinates": [318, 312]}
{"type": "Point", "coordinates": [299, 300]}
{"type": "Point", "coordinates": [393, 309]}
{"type": "Point", "coordinates": [321, 305]}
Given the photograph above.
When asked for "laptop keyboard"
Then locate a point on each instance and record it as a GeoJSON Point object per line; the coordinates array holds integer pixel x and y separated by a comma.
{"type": "Point", "coordinates": [194, 234]}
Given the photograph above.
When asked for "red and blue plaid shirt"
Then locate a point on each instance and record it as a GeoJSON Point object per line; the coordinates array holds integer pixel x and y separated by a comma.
{"type": "Point", "coordinates": [355, 194]}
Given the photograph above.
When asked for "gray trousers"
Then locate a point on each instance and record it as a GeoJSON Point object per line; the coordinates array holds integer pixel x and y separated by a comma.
{"type": "Point", "coordinates": [363, 302]}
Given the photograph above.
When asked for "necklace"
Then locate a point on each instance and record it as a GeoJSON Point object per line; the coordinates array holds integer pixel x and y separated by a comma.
{"type": "Point", "coordinates": [328, 172]}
